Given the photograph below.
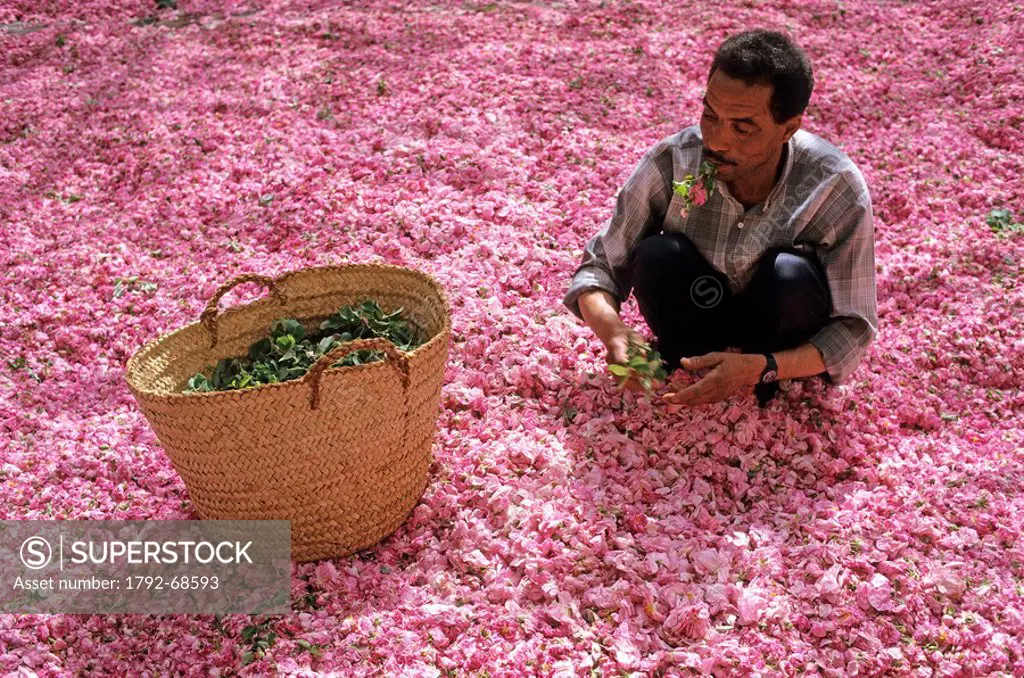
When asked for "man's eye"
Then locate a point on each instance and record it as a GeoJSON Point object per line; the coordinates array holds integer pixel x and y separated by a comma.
{"type": "Point", "coordinates": [745, 132]}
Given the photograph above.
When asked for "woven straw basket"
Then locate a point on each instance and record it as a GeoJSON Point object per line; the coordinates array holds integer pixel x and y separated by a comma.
{"type": "Point", "coordinates": [343, 453]}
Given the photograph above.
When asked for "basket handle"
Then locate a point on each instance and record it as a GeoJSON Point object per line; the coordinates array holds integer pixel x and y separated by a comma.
{"type": "Point", "coordinates": [210, 317]}
{"type": "Point", "coordinates": [399, 361]}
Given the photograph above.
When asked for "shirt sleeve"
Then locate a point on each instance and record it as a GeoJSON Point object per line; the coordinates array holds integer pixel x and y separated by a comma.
{"type": "Point", "coordinates": [849, 262]}
{"type": "Point", "coordinates": [639, 210]}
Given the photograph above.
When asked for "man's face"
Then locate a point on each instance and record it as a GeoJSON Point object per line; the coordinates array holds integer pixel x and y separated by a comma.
{"type": "Point", "coordinates": [738, 129]}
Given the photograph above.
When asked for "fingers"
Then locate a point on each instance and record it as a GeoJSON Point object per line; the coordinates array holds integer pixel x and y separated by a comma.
{"type": "Point", "coordinates": [707, 390]}
{"type": "Point", "coordinates": [616, 354]}
{"type": "Point", "coordinates": [688, 396]}
{"type": "Point", "coordinates": [691, 396]}
{"type": "Point", "coordinates": [703, 361]}
{"type": "Point", "coordinates": [618, 350]}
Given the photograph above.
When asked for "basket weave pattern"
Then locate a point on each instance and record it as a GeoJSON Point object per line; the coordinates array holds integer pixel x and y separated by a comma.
{"type": "Point", "coordinates": [343, 452]}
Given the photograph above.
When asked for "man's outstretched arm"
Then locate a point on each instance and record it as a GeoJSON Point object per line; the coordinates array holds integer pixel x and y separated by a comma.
{"type": "Point", "coordinates": [732, 371]}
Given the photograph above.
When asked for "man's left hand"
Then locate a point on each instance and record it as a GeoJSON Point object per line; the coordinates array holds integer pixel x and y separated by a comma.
{"type": "Point", "coordinates": [730, 371]}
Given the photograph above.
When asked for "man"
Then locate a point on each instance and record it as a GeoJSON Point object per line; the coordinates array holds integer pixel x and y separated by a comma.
{"type": "Point", "coordinates": [778, 262]}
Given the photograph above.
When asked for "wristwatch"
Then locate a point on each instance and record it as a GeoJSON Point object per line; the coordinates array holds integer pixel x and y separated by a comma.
{"type": "Point", "coordinates": [771, 370]}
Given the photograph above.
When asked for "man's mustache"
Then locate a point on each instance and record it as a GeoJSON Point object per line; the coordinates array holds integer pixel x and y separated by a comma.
{"type": "Point", "coordinates": [717, 158]}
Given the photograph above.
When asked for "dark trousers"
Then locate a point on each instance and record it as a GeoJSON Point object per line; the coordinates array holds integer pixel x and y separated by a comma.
{"type": "Point", "coordinates": [691, 310]}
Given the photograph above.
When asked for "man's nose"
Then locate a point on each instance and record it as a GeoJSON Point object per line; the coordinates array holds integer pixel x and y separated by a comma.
{"type": "Point", "coordinates": [717, 143]}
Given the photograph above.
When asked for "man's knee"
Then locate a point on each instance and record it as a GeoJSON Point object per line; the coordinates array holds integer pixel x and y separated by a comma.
{"type": "Point", "coordinates": [795, 270]}
{"type": "Point", "coordinates": [803, 285]}
{"type": "Point", "coordinates": [791, 300]}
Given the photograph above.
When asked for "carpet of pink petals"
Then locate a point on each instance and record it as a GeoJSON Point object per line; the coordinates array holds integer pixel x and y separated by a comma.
{"type": "Point", "coordinates": [868, 529]}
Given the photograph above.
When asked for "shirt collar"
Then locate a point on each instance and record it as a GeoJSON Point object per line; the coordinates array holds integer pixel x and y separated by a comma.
{"type": "Point", "coordinates": [787, 165]}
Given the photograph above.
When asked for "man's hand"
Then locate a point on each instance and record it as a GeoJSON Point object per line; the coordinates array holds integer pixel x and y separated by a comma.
{"type": "Point", "coordinates": [618, 348]}
{"type": "Point", "coordinates": [730, 371]}
{"type": "Point", "coordinates": [600, 310]}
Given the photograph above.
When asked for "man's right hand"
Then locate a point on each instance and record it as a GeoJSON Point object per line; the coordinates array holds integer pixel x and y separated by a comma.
{"type": "Point", "coordinates": [600, 310]}
{"type": "Point", "coordinates": [618, 352]}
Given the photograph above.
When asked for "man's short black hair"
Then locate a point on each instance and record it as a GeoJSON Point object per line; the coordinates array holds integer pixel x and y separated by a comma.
{"type": "Point", "coordinates": [761, 57]}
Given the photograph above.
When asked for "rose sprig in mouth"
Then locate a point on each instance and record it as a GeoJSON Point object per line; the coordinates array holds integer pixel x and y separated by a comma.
{"type": "Point", "coordinates": [695, 190]}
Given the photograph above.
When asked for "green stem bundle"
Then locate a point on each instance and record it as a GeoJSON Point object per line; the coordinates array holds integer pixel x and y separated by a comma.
{"type": "Point", "coordinates": [643, 363]}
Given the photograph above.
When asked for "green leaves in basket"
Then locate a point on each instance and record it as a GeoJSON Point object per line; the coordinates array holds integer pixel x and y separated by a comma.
{"type": "Point", "coordinates": [290, 351]}
{"type": "Point", "coordinates": [642, 363]}
{"type": "Point", "coordinates": [366, 321]}
{"type": "Point", "coordinates": [287, 327]}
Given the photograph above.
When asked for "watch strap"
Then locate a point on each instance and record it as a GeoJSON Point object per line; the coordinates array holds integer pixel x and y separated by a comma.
{"type": "Point", "coordinates": [771, 370]}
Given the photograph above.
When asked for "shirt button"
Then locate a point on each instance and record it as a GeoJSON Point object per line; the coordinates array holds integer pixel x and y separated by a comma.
{"type": "Point", "coordinates": [739, 225]}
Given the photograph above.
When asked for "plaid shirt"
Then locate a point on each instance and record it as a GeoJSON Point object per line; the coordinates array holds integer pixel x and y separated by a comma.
{"type": "Point", "coordinates": [820, 205]}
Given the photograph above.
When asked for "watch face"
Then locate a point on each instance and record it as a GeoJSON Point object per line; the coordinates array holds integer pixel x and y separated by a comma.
{"type": "Point", "coordinates": [770, 375]}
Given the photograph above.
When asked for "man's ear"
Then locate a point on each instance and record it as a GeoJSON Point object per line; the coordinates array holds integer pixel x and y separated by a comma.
{"type": "Point", "coordinates": [792, 125]}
